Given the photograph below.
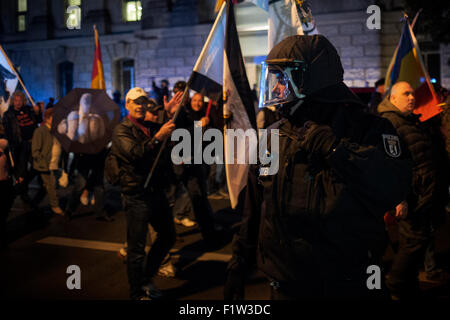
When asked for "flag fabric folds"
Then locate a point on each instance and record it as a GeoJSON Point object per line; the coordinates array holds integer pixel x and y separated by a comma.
{"type": "Point", "coordinates": [288, 18]}
{"type": "Point", "coordinates": [407, 65]}
{"type": "Point", "coordinates": [8, 81]}
{"type": "Point", "coordinates": [239, 110]}
{"type": "Point", "coordinates": [206, 76]}
{"type": "Point", "coordinates": [220, 73]}
{"type": "Point", "coordinates": [98, 77]}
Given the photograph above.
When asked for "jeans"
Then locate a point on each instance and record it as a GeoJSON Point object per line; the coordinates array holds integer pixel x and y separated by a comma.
{"type": "Point", "coordinates": [153, 209]}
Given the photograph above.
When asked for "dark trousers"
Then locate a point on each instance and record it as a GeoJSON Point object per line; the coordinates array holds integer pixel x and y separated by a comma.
{"type": "Point", "coordinates": [81, 183]}
{"type": "Point", "coordinates": [153, 209]}
{"type": "Point", "coordinates": [414, 238]}
{"type": "Point", "coordinates": [194, 178]}
{"type": "Point", "coordinates": [7, 192]}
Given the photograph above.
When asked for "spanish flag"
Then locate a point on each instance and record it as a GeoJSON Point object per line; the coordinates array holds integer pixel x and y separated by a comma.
{"type": "Point", "coordinates": [407, 65]}
{"type": "Point", "coordinates": [98, 78]}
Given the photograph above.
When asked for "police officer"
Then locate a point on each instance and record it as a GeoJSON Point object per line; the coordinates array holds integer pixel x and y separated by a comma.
{"type": "Point", "coordinates": [316, 225]}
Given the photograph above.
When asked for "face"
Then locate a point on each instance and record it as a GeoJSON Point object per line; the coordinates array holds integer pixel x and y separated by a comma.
{"type": "Point", "coordinates": [403, 98]}
{"type": "Point", "coordinates": [197, 102]}
{"type": "Point", "coordinates": [135, 110]}
{"type": "Point", "coordinates": [18, 102]}
{"type": "Point", "coordinates": [380, 89]}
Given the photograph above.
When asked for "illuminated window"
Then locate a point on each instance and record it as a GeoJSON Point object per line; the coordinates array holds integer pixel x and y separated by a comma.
{"type": "Point", "coordinates": [21, 15]}
{"type": "Point", "coordinates": [132, 10]}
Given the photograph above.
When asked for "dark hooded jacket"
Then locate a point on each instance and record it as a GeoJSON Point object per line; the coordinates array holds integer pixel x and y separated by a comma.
{"type": "Point", "coordinates": [321, 217]}
{"type": "Point", "coordinates": [426, 178]}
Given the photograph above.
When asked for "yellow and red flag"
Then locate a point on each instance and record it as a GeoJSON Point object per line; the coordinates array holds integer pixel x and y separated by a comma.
{"type": "Point", "coordinates": [407, 65]}
{"type": "Point", "coordinates": [98, 78]}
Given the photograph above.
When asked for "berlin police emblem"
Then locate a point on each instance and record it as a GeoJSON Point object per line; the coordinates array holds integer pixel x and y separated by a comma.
{"type": "Point", "coordinates": [392, 145]}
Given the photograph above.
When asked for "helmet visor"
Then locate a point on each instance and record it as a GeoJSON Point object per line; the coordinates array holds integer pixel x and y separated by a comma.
{"type": "Point", "coordinates": [276, 86]}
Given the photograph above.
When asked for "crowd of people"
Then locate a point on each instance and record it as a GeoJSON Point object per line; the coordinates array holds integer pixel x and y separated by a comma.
{"type": "Point", "coordinates": [312, 228]}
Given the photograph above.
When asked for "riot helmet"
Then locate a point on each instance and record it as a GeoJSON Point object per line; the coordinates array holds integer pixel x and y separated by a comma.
{"type": "Point", "coordinates": [303, 68]}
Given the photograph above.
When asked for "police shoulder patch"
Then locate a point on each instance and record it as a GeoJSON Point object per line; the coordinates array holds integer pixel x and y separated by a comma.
{"type": "Point", "coordinates": [392, 145]}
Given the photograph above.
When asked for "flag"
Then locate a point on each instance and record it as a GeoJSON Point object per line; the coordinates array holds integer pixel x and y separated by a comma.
{"type": "Point", "coordinates": [98, 78]}
{"type": "Point", "coordinates": [407, 65]}
{"type": "Point", "coordinates": [238, 109]}
{"type": "Point", "coordinates": [8, 81]}
{"type": "Point", "coordinates": [220, 73]}
{"type": "Point", "coordinates": [206, 76]}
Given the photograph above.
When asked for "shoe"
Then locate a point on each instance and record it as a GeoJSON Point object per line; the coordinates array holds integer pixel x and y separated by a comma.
{"type": "Point", "coordinates": [122, 254]}
{"type": "Point", "coordinates": [57, 210]}
{"type": "Point", "coordinates": [84, 200]}
{"type": "Point", "coordinates": [216, 196]}
{"type": "Point", "coordinates": [224, 194]}
{"type": "Point", "coordinates": [167, 270]}
{"type": "Point", "coordinates": [188, 223]}
{"type": "Point", "coordinates": [152, 292]}
{"type": "Point", "coordinates": [105, 218]}
{"type": "Point", "coordinates": [144, 298]}
{"type": "Point", "coordinates": [92, 200]}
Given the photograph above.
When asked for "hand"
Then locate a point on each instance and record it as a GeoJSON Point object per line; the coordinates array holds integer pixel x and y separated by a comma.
{"type": "Point", "coordinates": [205, 121]}
{"type": "Point", "coordinates": [173, 104]}
{"type": "Point", "coordinates": [165, 131]}
{"type": "Point", "coordinates": [234, 288]}
{"type": "Point", "coordinates": [317, 138]}
{"type": "Point", "coordinates": [401, 210]}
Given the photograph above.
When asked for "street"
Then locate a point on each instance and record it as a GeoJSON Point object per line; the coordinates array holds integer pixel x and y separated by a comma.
{"type": "Point", "coordinates": [34, 266]}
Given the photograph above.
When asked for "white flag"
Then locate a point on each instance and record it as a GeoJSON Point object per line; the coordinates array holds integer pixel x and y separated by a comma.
{"type": "Point", "coordinates": [8, 82]}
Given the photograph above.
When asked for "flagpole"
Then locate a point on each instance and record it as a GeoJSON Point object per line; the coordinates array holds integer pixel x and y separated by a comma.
{"type": "Point", "coordinates": [186, 90]}
{"type": "Point", "coordinates": [17, 75]}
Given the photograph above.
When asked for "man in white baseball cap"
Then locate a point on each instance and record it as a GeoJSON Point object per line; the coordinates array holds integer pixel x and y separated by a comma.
{"type": "Point", "coordinates": [135, 144]}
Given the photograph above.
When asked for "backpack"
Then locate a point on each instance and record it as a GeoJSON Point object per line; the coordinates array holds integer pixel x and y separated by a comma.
{"type": "Point", "coordinates": [112, 170]}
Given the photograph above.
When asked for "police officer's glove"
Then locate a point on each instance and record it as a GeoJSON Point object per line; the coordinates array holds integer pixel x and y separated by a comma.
{"type": "Point", "coordinates": [317, 138]}
{"type": "Point", "coordinates": [234, 288]}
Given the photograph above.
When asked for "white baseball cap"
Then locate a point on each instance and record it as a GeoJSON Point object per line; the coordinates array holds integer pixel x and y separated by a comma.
{"type": "Point", "coordinates": [135, 93]}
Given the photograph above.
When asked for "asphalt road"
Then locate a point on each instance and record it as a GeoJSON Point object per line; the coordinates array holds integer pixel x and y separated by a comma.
{"type": "Point", "coordinates": [34, 266]}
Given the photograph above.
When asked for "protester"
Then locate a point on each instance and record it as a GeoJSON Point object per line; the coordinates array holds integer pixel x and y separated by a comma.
{"type": "Point", "coordinates": [50, 104]}
{"type": "Point", "coordinates": [317, 224]}
{"type": "Point", "coordinates": [377, 96]}
{"type": "Point", "coordinates": [19, 122]}
{"type": "Point", "coordinates": [46, 151]}
{"type": "Point", "coordinates": [6, 187]}
{"type": "Point", "coordinates": [117, 99]}
{"type": "Point", "coordinates": [428, 195]}
{"type": "Point", "coordinates": [135, 144]}
{"type": "Point", "coordinates": [194, 176]}
{"type": "Point", "coordinates": [89, 181]}
{"type": "Point", "coordinates": [161, 92]}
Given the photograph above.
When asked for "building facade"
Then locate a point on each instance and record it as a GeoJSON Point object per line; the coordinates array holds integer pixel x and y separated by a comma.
{"type": "Point", "coordinates": [52, 41]}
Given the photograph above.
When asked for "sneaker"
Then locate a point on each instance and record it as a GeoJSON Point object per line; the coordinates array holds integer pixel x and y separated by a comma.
{"type": "Point", "coordinates": [57, 210]}
{"type": "Point", "coordinates": [185, 222]}
{"type": "Point", "coordinates": [152, 292]}
{"type": "Point", "coordinates": [122, 253]}
{"type": "Point", "coordinates": [216, 196]}
{"type": "Point", "coordinates": [167, 270]}
{"type": "Point", "coordinates": [84, 200]}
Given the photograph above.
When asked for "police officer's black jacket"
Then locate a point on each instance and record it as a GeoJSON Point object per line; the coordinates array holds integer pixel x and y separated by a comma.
{"type": "Point", "coordinates": [424, 156]}
{"type": "Point", "coordinates": [322, 215]}
{"type": "Point", "coordinates": [136, 153]}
